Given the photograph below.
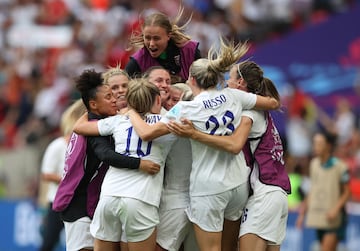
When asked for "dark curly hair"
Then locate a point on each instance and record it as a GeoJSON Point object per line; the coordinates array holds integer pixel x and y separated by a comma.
{"type": "Point", "coordinates": [87, 84]}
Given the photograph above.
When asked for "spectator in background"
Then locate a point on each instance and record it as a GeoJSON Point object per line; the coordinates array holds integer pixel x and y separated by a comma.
{"type": "Point", "coordinates": [342, 124]}
{"type": "Point", "coordinates": [324, 204]}
{"type": "Point", "coordinates": [164, 44]}
{"type": "Point", "coordinates": [354, 167]}
{"type": "Point", "coordinates": [299, 128]}
{"type": "Point", "coordinates": [262, 17]}
{"type": "Point", "coordinates": [52, 168]}
{"type": "Point", "coordinates": [296, 180]}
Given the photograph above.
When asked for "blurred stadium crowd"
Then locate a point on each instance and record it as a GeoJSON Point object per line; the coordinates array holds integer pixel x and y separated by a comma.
{"type": "Point", "coordinates": [45, 43]}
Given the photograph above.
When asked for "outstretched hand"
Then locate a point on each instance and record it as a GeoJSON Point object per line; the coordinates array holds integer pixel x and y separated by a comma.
{"type": "Point", "coordinates": [149, 167]}
{"type": "Point", "coordinates": [332, 214]}
{"type": "Point", "coordinates": [185, 129]}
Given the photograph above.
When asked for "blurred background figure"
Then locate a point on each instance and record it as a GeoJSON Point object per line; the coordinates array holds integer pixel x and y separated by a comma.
{"type": "Point", "coordinates": [325, 202]}
{"type": "Point", "coordinates": [342, 123]}
{"type": "Point", "coordinates": [52, 168]}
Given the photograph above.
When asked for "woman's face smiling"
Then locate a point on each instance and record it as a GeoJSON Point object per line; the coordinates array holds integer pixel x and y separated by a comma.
{"type": "Point", "coordinates": [155, 40]}
{"type": "Point", "coordinates": [119, 86]}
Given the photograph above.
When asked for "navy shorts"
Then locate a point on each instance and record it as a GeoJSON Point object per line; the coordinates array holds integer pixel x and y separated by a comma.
{"type": "Point", "coordinates": [340, 231]}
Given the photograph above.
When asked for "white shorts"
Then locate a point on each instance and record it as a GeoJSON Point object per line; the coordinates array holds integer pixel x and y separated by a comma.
{"type": "Point", "coordinates": [78, 235]}
{"type": "Point", "coordinates": [266, 216]}
{"type": "Point", "coordinates": [209, 212]}
{"type": "Point", "coordinates": [174, 226]}
{"type": "Point", "coordinates": [113, 215]}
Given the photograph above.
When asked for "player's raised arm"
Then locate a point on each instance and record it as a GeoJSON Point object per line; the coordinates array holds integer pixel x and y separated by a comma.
{"type": "Point", "coordinates": [85, 127]}
{"type": "Point", "coordinates": [145, 131]}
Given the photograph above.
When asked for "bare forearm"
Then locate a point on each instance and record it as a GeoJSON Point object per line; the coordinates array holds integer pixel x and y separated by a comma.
{"type": "Point", "coordinates": [267, 103]}
{"type": "Point", "coordinates": [51, 177]}
{"type": "Point", "coordinates": [221, 142]}
{"type": "Point", "coordinates": [85, 127]}
{"type": "Point", "coordinates": [145, 131]}
{"type": "Point", "coordinates": [343, 198]}
{"type": "Point", "coordinates": [301, 215]}
{"type": "Point", "coordinates": [232, 143]}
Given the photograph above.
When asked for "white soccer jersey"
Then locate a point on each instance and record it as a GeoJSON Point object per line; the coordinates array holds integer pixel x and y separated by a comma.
{"type": "Point", "coordinates": [215, 112]}
{"type": "Point", "coordinates": [129, 182]}
{"type": "Point", "coordinates": [177, 176]}
{"type": "Point", "coordinates": [53, 163]}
